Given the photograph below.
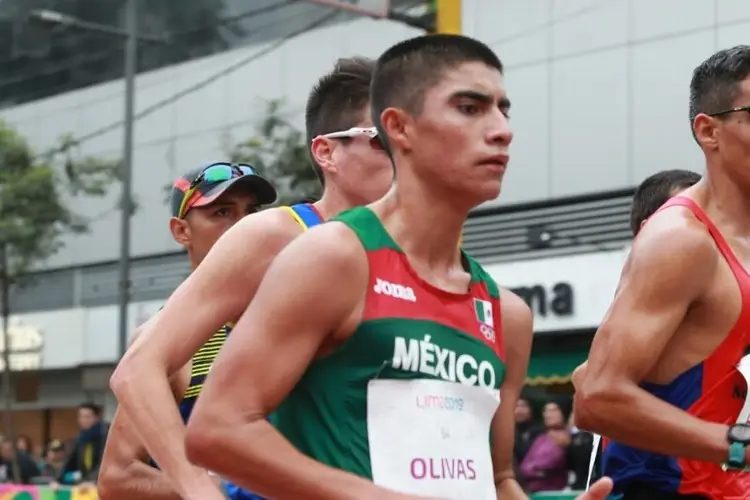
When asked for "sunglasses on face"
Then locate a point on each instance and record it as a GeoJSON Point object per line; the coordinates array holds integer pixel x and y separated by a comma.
{"type": "Point", "coordinates": [214, 174]}
{"type": "Point", "coordinates": [370, 132]}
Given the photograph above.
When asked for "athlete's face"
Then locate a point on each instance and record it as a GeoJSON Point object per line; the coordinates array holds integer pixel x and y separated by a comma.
{"type": "Point", "coordinates": [358, 166]}
{"type": "Point", "coordinates": [203, 226]}
{"type": "Point", "coordinates": [728, 136]}
{"type": "Point", "coordinates": [459, 143]}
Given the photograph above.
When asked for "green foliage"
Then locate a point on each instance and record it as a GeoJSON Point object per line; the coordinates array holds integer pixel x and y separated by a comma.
{"type": "Point", "coordinates": [279, 151]}
{"type": "Point", "coordinates": [34, 195]}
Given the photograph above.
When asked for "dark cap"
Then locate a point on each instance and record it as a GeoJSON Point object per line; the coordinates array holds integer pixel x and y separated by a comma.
{"type": "Point", "coordinates": [207, 192]}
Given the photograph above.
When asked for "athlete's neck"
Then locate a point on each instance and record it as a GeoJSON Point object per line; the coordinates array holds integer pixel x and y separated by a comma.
{"type": "Point", "coordinates": [425, 226]}
{"type": "Point", "coordinates": [332, 203]}
{"type": "Point", "coordinates": [727, 201]}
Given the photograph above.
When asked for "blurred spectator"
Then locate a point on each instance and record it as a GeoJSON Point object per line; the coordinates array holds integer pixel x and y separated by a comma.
{"type": "Point", "coordinates": [526, 430]}
{"type": "Point", "coordinates": [545, 466]}
{"type": "Point", "coordinates": [26, 470]}
{"type": "Point", "coordinates": [82, 464]}
{"type": "Point", "coordinates": [23, 444]}
{"type": "Point", "coordinates": [579, 455]}
{"type": "Point", "coordinates": [54, 460]}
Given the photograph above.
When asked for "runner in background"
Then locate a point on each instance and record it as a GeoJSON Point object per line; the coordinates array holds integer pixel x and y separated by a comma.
{"type": "Point", "coordinates": [354, 170]}
{"type": "Point", "coordinates": [380, 348]}
{"type": "Point", "coordinates": [205, 203]}
{"type": "Point", "coordinates": [655, 191]}
{"type": "Point", "coordinates": [665, 375]}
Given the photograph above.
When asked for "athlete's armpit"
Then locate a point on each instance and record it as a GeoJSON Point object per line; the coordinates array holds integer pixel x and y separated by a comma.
{"type": "Point", "coordinates": [517, 331]}
{"type": "Point", "coordinates": [310, 292]}
{"type": "Point", "coordinates": [671, 264]}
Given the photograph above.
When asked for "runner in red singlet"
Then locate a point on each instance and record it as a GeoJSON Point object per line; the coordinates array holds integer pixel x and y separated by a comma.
{"type": "Point", "coordinates": [665, 380]}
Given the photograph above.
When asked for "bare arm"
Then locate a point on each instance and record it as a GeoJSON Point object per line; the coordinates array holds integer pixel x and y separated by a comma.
{"type": "Point", "coordinates": [216, 293]}
{"type": "Point", "coordinates": [517, 334]}
{"type": "Point", "coordinates": [670, 265]}
{"type": "Point", "coordinates": [123, 473]}
{"type": "Point", "coordinates": [248, 382]}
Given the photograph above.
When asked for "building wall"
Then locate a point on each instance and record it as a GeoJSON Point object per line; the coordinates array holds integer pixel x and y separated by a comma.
{"type": "Point", "coordinates": [192, 130]}
{"type": "Point", "coordinates": [599, 91]}
{"type": "Point", "coordinates": [600, 87]}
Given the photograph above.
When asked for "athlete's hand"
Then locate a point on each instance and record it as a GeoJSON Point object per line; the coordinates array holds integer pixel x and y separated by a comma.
{"type": "Point", "coordinates": [598, 491]}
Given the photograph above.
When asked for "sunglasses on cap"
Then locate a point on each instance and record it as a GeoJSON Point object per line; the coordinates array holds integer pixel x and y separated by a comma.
{"type": "Point", "coordinates": [369, 132]}
{"type": "Point", "coordinates": [214, 174]}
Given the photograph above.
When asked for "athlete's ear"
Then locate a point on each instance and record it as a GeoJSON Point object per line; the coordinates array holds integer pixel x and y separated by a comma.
{"type": "Point", "coordinates": [180, 231]}
{"type": "Point", "coordinates": [705, 131]}
{"type": "Point", "coordinates": [397, 125]}
{"type": "Point", "coordinates": [321, 150]}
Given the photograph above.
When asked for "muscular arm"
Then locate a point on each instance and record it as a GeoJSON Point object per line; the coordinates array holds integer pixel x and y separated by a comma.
{"type": "Point", "coordinates": [248, 381]}
{"type": "Point", "coordinates": [123, 473]}
{"type": "Point", "coordinates": [215, 293]}
{"type": "Point", "coordinates": [517, 333]}
{"type": "Point", "coordinates": [670, 265]}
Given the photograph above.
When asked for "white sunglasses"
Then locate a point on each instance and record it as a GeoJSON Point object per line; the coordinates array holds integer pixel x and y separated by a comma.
{"type": "Point", "coordinates": [370, 132]}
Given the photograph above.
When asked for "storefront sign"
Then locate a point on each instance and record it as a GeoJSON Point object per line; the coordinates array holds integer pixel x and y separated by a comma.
{"type": "Point", "coordinates": [564, 293]}
{"type": "Point", "coordinates": [555, 300]}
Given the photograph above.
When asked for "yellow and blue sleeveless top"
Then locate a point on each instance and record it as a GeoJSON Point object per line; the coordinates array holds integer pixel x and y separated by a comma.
{"type": "Point", "coordinates": [200, 366]}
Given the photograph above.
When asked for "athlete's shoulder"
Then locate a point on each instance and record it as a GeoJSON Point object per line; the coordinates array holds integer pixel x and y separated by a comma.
{"type": "Point", "coordinates": [677, 235]}
{"type": "Point", "coordinates": [272, 223]}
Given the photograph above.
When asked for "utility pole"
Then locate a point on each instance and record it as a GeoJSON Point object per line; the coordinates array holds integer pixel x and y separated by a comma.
{"type": "Point", "coordinates": [130, 70]}
{"type": "Point", "coordinates": [126, 209]}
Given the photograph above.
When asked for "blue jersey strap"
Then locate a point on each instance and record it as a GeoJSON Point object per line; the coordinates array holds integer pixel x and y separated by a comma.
{"type": "Point", "coordinates": [305, 215]}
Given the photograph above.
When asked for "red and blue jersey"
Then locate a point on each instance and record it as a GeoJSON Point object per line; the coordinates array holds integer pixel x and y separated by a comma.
{"type": "Point", "coordinates": [713, 390]}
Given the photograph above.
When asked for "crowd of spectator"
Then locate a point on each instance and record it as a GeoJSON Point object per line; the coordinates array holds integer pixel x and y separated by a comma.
{"type": "Point", "coordinates": [75, 462]}
{"type": "Point", "coordinates": [551, 454]}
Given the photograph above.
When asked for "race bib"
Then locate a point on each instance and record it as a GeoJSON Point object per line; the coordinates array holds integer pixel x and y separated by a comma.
{"type": "Point", "coordinates": [431, 438]}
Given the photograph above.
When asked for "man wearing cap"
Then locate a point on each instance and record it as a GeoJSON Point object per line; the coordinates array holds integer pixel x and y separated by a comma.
{"type": "Point", "coordinates": [205, 203]}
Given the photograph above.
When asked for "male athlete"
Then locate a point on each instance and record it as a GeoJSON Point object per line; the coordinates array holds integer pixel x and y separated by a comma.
{"type": "Point", "coordinates": [654, 192]}
{"type": "Point", "coordinates": [665, 381]}
{"type": "Point", "coordinates": [649, 196]}
{"type": "Point", "coordinates": [354, 169]}
{"type": "Point", "coordinates": [205, 203]}
{"type": "Point", "coordinates": [381, 350]}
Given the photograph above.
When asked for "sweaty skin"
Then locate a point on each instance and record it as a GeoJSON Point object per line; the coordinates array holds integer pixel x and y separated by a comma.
{"type": "Point", "coordinates": [217, 291]}
{"type": "Point", "coordinates": [124, 473]}
{"type": "Point", "coordinates": [663, 321]}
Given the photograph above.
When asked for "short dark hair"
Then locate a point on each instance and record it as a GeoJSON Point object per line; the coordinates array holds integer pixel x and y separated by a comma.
{"type": "Point", "coordinates": [655, 191]}
{"type": "Point", "coordinates": [94, 408]}
{"type": "Point", "coordinates": [408, 69]}
{"type": "Point", "coordinates": [715, 82]}
{"type": "Point", "coordinates": [338, 100]}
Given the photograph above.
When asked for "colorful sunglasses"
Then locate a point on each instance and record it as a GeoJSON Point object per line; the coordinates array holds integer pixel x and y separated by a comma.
{"type": "Point", "coordinates": [213, 174]}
